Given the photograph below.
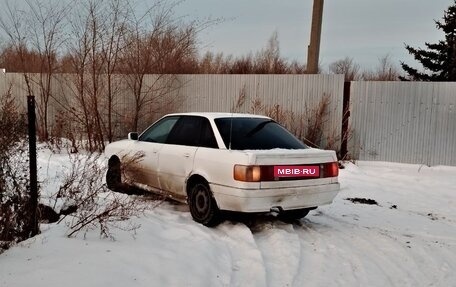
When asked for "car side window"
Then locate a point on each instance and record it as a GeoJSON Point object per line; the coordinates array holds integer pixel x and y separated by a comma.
{"type": "Point", "coordinates": [187, 131]}
{"type": "Point", "coordinates": [207, 135]}
{"type": "Point", "coordinates": [192, 131]}
{"type": "Point", "coordinates": [159, 132]}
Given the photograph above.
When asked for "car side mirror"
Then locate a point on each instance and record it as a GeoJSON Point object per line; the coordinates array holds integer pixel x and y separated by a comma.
{"type": "Point", "coordinates": [133, 136]}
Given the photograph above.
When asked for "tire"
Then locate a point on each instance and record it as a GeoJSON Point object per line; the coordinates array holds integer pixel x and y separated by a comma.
{"type": "Point", "coordinates": [114, 175]}
{"type": "Point", "coordinates": [295, 214]}
{"type": "Point", "coordinates": [203, 206]}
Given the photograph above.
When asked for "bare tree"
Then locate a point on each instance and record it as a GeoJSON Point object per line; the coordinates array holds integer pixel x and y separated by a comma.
{"type": "Point", "coordinates": [266, 61]}
{"type": "Point", "coordinates": [212, 63]}
{"type": "Point", "coordinates": [78, 58]}
{"type": "Point", "coordinates": [346, 66]}
{"type": "Point", "coordinates": [109, 38]}
{"type": "Point", "coordinates": [80, 101]}
{"type": "Point", "coordinates": [95, 50]}
{"type": "Point", "coordinates": [12, 21]}
{"type": "Point", "coordinates": [241, 65]}
{"type": "Point", "coordinates": [94, 12]}
{"type": "Point", "coordinates": [47, 25]}
{"type": "Point", "coordinates": [297, 68]}
{"type": "Point", "coordinates": [160, 45]}
{"type": "Point", "coordinates": [36, 32]}
{"type": "Point", "coordinates": [268, 57]}
{"type": "Point", "coordinates": [385, 71]}
{"type": "Point", "coordinates": [113, 28]}
{"type": "Point", "coordinates": [11, 59]}
{"type": "Point", "coordinates": [142, 58]}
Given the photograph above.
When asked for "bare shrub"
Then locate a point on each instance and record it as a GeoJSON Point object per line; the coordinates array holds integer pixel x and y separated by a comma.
{"type": "Point", "coordinates": [96, 207]}
{"type": "Point", "coordinates": [309, 126]}
{"type": "Point", "coordinates": [240, 100]}
{"type": "Point", "coordinates": [16, 221]}
{"type": "Point", "coordinates": [212, 63]}
{"type": "Point", "coordinates": [266, 61]}
{"type": "Point", "coordinates": [385, 71]}
{"type": "Point", "coordinates": [64, 136]}
{"type": "Point", "coordinates": [347, 67]}
{"type": "Point", "coordinates": [316, 120]}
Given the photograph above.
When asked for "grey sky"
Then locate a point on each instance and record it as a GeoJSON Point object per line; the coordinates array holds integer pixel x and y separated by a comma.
{"type": "Point", "coordinates": [362, 29]}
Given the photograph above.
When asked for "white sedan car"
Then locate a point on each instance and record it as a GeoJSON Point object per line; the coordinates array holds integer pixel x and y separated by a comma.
{"type": "Point", "coordinates": [225, 161]}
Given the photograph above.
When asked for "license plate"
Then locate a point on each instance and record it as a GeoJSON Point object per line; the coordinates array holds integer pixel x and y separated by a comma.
{"type": "Point", "coordinates": [297, 171]}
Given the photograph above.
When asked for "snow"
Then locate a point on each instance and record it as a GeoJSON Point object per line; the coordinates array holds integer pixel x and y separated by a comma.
{"type": "Point", "coordinates": [408, 239]}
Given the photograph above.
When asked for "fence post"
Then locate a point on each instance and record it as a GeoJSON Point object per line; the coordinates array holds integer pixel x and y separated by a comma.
{"type": "Point", "coordinates": [32, 164]}
{"type": "Point", "coordinates": [345, 117]}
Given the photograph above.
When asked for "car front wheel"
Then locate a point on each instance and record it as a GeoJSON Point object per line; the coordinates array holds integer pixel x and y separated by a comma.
{"type": "Point", "coordinates": [203, 206]}
{"type": "Point", "coordinates": [113, 175]}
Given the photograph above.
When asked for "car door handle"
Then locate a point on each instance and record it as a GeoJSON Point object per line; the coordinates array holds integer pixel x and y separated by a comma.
{"type": "Point", "coordinates": [186, 155]}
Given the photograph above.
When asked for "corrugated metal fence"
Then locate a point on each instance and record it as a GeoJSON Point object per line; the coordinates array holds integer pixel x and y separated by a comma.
{"type": "Point", "coordinates": [288, 98]}
{"type": "Point", "coordinates": [409, 122]}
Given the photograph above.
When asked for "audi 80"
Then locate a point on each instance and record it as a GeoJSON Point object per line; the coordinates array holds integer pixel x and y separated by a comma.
{"type": "Point", "coordinates": [219, 162]}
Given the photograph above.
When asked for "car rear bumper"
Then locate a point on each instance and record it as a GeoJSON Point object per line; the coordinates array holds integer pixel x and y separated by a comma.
{"type": "Point", "coordinates": [262, 200]}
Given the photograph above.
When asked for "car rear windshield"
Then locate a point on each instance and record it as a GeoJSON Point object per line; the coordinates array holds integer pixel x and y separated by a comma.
{"type": "Point", "coordinates": [255, 134]}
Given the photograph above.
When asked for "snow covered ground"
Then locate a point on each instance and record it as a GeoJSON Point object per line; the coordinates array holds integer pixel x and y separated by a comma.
{"type": "Point", "coordinates": [408, 239]}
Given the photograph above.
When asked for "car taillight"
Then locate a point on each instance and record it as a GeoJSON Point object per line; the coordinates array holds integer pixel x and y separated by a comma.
{"type": "Point", "coordinates": [249, 173]}
{"type": "Point", "coordinates": [256, 173]}
{"type": "Point", "coordinates": [330, 169]}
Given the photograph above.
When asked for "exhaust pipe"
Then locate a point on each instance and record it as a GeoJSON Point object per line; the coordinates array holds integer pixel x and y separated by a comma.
{"type": "Point", "coordinates": [275, 210]}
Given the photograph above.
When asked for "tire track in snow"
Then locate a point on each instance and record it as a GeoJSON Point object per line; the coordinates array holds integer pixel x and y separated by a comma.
{"type": "Point", "coordinates": [248, 267]}
{"type": "Point", "coordinates": [327, 249]}
{"type": "Point", "coordinates": [199, 248]}
{"type": "Point", "coordinates": [352, 244]}
{"type": "Point", "coordinates": [280, 246]}
{"type": "Point", "coordinates": [320, 257]}
{"type": "Point", "coordinates": [371, 257]}
{"type": "Point", "coordinates": [401, 256]}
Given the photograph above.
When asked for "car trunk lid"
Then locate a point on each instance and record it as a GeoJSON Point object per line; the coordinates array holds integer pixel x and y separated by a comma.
{"type": "Point", "coordinates": [313, 161]}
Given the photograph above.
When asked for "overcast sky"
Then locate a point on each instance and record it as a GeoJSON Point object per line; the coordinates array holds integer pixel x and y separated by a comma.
{"type": "Point", "coordinates": [362, 29]}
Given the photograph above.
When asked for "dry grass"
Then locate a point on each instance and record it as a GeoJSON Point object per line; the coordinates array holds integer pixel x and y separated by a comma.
{"type": "Point", "coordinates": [311, 127]}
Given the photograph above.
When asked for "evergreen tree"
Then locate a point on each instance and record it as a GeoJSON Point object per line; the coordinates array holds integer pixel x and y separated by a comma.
{"type": "Point", "coordinates": [438, 60]}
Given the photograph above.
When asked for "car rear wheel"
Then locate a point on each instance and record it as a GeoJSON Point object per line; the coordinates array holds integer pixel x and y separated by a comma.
{"type": "Point", "coordinates": [114, 175]}
{"type": "Point", "coordinates": [291, 215]}
{"type": "Point", "coordinates": [203, 206]}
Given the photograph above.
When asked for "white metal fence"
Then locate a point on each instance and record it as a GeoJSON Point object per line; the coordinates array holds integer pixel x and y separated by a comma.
{"type": "Point", "coordinates": [410, 122]}
{"type": "Point", "coordinates": [287, 98]}
{"type": "Point", "coordinates": [275, 95]}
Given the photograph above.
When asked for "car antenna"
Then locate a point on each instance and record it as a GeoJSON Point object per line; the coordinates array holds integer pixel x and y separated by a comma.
{"type": "Point", "coordinates": [231, 130]}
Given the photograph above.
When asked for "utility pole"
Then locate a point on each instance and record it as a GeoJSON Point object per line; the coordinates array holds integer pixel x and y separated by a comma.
{"type": "Point", "coordinates": [313, 51]}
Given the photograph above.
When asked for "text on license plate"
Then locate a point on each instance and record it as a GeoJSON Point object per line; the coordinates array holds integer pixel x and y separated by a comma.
{"type": "Point", "coordinates": [297, 170]}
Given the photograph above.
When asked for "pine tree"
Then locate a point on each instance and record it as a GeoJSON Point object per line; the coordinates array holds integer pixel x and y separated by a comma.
{"type": "Point", "coordinates": [438, 60]}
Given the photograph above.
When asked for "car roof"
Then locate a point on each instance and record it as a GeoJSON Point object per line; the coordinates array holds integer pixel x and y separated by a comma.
{"type": "Point", "coordinates": [211, 115]}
